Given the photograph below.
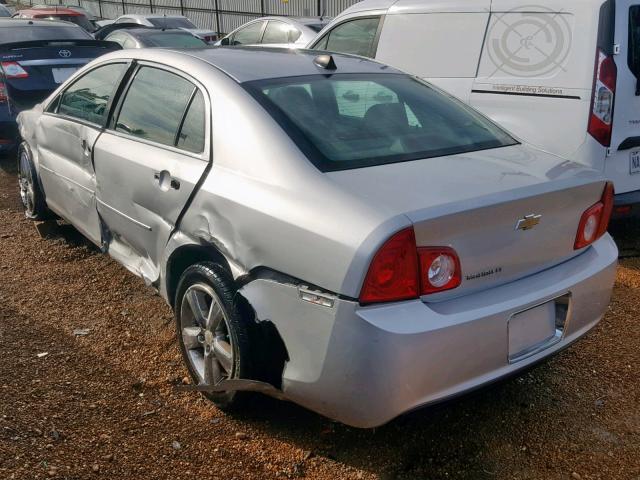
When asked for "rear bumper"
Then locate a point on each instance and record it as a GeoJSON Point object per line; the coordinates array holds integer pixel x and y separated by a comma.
{"type": "Point", "coordinates": [364, 366]}
{"type": "Point", "coordinates": [626, 205]}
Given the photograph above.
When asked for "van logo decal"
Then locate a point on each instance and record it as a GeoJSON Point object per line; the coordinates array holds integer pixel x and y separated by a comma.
{"type": "Point", "coordinates": [64, 53]}
{"type": "Point", "coordinates": [529, 41]}
{"type": "Point", "coordinates": [528, 221]}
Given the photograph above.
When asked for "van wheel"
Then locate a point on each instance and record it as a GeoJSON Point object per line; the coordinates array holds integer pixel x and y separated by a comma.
{"type": "Point", "coordinates": [31, 195]}
{"type": "Point", "coordinates": [214, 336]}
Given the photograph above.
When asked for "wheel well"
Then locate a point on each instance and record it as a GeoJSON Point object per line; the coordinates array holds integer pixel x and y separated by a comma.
{"type": "Point", "coordinates": [183, 257]}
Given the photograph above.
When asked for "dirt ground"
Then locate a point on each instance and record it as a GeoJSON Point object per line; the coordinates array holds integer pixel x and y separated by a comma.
{"type": "Point", "coordinates": [104, 404]}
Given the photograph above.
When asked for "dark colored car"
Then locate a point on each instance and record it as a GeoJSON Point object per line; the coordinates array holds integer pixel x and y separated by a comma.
{"type": "Point", "coordinates": [35, 57]}
{"type": "Point", "coordinates": [102, 32]}
{"type": "Point", "coordinates": [152, 37]}
{"type": "Point", "coordinates": [57, 13]}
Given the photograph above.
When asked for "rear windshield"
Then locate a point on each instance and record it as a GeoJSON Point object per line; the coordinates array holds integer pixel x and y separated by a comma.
{"type": "Point", "coordinates": [356, 120]}
{"type": "Point", "coordinates": [171, 22]}
{"type": "Point", "coordinates": [178, 40]}
{"type": "Point", "coordinates": [80, 20]}
{"type": "Point", "coordinates": [634, 40]}
{"type": "Point", "coordinates": [28, 33]}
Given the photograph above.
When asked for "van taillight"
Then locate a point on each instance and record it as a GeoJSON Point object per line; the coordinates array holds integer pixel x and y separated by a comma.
{"type": "Point", "coordinates": [595, 220]}
{"type": "Point", "coordinates": [3, 92]}
{"type": "Point", "coordinates": [604, 89]}
{"type": "Point", "coordinates": [401, 271]}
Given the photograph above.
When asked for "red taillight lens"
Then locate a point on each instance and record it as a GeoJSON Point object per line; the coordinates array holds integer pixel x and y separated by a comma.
{"type": "Point", "coordinates": [393, 273]}
{"type": "Point", "coordinates": [401, 271]}
{"type": "Point", "coordinates": [604, 88]}
{"type": "Point", "coordinates": [440, 269]}
{"type": "Point", "coordinates": [13, 70]}
{"type": "Point", "coordinates": [3, 92]}
{"type": "Point", "coordinates": [595, 220]}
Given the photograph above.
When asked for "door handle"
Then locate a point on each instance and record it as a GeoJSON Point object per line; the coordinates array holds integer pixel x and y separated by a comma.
{"type": "Point", "coordinates": [85, 147]}
{"type": "Point", "coordinates": [165, 182]}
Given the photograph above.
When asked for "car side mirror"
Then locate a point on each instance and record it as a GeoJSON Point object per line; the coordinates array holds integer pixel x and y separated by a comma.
{"type": "Point", "coordinates": [225, 41]}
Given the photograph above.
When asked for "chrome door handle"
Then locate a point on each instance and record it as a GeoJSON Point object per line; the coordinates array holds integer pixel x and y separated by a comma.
{"type": "Point", "coordinates": [165, 181]}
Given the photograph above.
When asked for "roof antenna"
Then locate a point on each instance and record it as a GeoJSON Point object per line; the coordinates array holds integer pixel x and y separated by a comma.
{"type": "Point", "coordinates": [325, 61]}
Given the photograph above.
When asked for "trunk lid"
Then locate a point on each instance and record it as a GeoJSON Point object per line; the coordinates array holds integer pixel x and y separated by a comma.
{"type": "Point", "coordinates": [475, 203]}
{"type": "Point", "coordinates": [47, 65]}
{"type": "Point", "coordinates": [623, 165]}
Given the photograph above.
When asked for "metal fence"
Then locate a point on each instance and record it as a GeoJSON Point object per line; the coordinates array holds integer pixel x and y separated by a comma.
{"type": "Point", "coordinates": [221, 16]}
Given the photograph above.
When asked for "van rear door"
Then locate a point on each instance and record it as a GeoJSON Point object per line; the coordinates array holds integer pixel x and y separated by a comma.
{"type": "Point", "coordinates": [623, 165]}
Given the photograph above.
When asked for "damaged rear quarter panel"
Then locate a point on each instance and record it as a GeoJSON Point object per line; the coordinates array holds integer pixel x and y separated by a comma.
{"type": "Point", "coordinates": [263, 204]}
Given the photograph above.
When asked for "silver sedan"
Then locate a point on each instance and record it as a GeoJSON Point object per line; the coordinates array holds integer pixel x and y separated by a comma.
{"type": "Point", "coordinates": [327, 229]}
{"type": "Point", "coordinates": [291, 32]}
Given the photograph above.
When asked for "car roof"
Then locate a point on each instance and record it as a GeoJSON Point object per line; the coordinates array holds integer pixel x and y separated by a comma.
{"type": "Point", "coordinates": [49, 11]}
{"type": "Point", "coordinates": [22, 22]}
{"type": "Point", "coordinates": [144, 32]}
{"type": "Point", "coordinates": [245, 64]}
{"type": "Point", "coordinates": [143, 16]}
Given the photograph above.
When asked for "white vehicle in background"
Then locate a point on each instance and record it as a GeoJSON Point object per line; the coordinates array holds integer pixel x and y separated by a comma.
{"type": "Point", "coordinates": [287, 32]}
{"type": "Point", "coordinates": [169, 22]}
{"type": "Point", "coordinates": [563, 76]}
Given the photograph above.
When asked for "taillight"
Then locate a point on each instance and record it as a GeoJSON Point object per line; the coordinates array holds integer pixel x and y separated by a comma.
{"type": "Point", "coordinates": [440, 269]}
{"type": "Point", "coordinates": [595, 220]}
{"type": "Point", "coordinates": [14, 70]}
{"type": "Point", "coordinates": [604, 89]}
{"type": "Point", "coordinates": [3, 92]}
{"type": "Point", "coordinates": [393, 273]}
{"type": "Point", "coordinates": [402, 271]}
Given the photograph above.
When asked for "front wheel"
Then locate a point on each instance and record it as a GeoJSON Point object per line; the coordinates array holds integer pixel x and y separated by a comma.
{"type": "Point", "coordinates": [31, 195]}
{"type": "Point", "coordinates": [214, 336]}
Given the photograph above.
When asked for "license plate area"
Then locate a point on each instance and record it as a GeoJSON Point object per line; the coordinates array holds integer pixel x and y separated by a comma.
{"type": "Point", "coordinates": [537, 328]}
{"type": "Point", "coordinates": [61, 74]}
{"type": "Point", "coordinates": [634, 162]}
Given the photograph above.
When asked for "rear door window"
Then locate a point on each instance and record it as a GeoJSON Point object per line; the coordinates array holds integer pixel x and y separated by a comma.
{"type": "Point", "coordinates": [357, 37]}
{"type": "Point", "coordinates": [250, 34]}
{"type": "Point", "coordinates": [276, 32]}
{"type": "Point", "coordinates": [191, 136]}
{"type": "Point", "coordinates": [88, 98]}
{"type": "Point", "coordinates": [633, 56]}
{"type": "Point", "coordinates": [155, 105]}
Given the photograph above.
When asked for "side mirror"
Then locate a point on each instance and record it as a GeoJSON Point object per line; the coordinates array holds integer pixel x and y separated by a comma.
{"type": "Point", "coordinates": [225, 41]}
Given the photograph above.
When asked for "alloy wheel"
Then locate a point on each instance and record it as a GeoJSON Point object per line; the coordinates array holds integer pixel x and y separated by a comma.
{"type": "Point", "coordinates": [205, 335]}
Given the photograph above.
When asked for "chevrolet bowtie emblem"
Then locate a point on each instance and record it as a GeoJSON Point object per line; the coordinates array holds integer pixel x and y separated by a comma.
{"type": "Point", "coordinates": [528, 222]}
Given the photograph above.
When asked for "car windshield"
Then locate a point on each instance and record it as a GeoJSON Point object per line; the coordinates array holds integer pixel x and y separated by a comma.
{"type": "Point", "coordinates": [347, 121]}
{"type": "Point", "coordinates": [26, 34]}
{"type": "Point", "coordinates": [179, 40]}
{"type": "Point", "coordinates": [171, 22]}
{"type": "Point", "coordinates": [79, 20]}
{"type": "Point", "coordinates": [4, 11]}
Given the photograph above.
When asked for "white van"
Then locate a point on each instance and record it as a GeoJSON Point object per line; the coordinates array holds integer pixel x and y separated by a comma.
{"type": "Point", "coordinates": [561, 75]}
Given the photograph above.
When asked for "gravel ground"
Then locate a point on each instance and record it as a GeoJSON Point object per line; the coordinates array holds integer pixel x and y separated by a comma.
{"type": "Point", "coordinates": [104, 404]}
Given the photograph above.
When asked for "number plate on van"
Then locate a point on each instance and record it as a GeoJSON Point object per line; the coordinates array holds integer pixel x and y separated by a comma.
{"type": "Point", "coordinates": [634, 162]}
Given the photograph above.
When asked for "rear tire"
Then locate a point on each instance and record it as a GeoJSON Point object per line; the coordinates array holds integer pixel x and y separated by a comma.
{"type": "Point", "coordinates": [35, 207]}
{"type": "Point", "coordinates": [213, 334]}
